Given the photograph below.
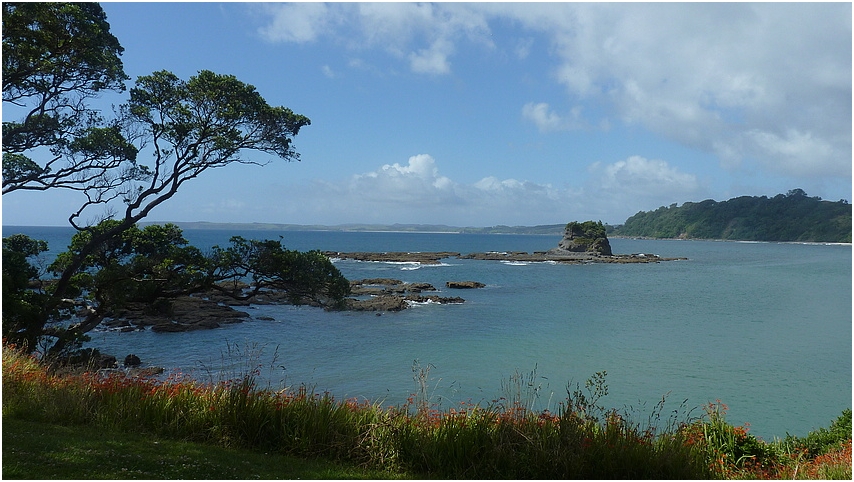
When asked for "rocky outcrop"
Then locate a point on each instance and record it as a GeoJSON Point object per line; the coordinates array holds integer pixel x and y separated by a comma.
{"type": "Point", "coordinates": [186, 313]}
{"type": "Point", "coordinates": [442, 300]}
{"type": "Point", "coordinates": [395, 257]}
{"type": "Point", "coordinates": [461, 285]}
{"type": "Point", "coordinates": [586, 237]}
{"type": "Point", "coordinates": [132, 361]}
{"type": "Point", "coordinates": [394, 303]}
{"type": "Point", "coordinates": [378, 303]}
{"type": "Point", "coordinates": [507, 256]}
{"type": "Point", "coordinates": [585, 242]}
{"type": "Point", "coordinates": [384, 294]}
{"type": "Point", "coordinates": [386, 286]}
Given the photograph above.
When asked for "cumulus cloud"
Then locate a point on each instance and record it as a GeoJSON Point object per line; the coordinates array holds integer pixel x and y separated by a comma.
{"type": "Point", "coordinates": [417, 192]}
{"type": "Point", "coordinates": [416, 182]}
{"type": "Point", "coordinates": [423, 34]}
{"type": "Point", "coordinates": [799, 152]}
{"type": "Point", "coordinates": [640, 176]}
{"type": "Point", "coordinates": [547, 120]}
{"type": "Point", "coordinates": [744, 81]}
{"type": "Point", "coordinates": [433, 60]}
{"type": "Point", "coordinates": [638, 184]}
{"type": "Point", "coordinates": [297, 22]}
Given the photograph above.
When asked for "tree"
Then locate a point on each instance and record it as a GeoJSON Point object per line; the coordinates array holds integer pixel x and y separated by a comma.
{"type": "Point", "coordinates": [56, 57]}
{"type": "Point", "coordinates": [793, 216]}
{"type": "Point", "coordinates": [303, 275]}
{"type": "Point", "coordinates": [136, 265]}
{"type": "Point", "coordinates": [22, 302]}
{"type": "Point", "coordinates": [797, 193]}
{"type": "Point", "coordinates": [207, 122]}
{"type": "Point", "coordinates": [155, 264]}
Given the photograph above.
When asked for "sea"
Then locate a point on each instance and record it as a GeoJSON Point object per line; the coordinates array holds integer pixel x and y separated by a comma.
{"type": "Point", "coordinates": [763, 328]}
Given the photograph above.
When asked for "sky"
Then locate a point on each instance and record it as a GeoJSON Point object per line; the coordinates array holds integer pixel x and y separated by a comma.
{"type": "Point", "coordinates": [483, 114]}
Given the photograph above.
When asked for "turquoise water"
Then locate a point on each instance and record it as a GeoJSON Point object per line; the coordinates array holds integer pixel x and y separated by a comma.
{"type": "Point", "coordinates": [764, 327]}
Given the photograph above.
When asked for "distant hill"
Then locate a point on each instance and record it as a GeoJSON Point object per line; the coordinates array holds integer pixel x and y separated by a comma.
{"type": "Point", "coordinates": [550, 229]}
{"type": "Point", "coordinates": [793, 216]}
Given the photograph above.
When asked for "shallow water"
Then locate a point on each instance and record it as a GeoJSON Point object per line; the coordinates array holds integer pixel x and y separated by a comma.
{"type": "Point", "coordinates": [764, 327]}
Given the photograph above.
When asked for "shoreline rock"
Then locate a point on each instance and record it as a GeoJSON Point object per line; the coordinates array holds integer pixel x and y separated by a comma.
{"type": "Point", "coordinates": [557, 255]}
{"type": "Point", "coordinates": [395, 257]}
{"type": "Point", "coordinates": [464, 285]}
{"type": "Point", "coordinates": [186, 313]}
{"type": "Point", "coordinates": [392, 295]}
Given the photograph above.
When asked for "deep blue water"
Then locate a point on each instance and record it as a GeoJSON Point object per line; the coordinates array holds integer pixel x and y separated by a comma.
{"type": "Point", "coordinates": [764, 327]}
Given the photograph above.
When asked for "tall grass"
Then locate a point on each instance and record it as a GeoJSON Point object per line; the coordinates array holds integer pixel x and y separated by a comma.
{"type": "Point", "coordinates": [503, 439]}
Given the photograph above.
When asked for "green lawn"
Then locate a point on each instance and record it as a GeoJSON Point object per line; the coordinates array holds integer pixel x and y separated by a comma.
{"type": "Point", "coordinates": [35, 450]}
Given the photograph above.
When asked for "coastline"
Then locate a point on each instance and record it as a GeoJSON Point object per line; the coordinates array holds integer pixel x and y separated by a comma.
{"type": "Point", "coordinates": [649, 238]}
{"type": "Point", "coordinates": [497, 230]}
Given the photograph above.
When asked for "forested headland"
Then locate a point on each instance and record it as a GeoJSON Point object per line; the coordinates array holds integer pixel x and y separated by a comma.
{"type": "Point", "coordinates": [793, 216]}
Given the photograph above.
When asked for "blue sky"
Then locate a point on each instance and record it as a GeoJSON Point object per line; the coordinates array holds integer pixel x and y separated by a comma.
{"type": "Point", "coordinates": [506, 113]}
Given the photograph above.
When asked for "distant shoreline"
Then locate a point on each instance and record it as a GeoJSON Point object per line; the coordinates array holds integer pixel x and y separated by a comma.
{"type": "Point", "coordinates": [539, 230]}
{"type": "Point", "coordinates": [550, 230]}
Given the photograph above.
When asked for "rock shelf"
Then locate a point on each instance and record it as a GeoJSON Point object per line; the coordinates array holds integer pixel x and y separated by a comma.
{"type": "Point", "coordinates": [394, 257]}
{"type": "Point", "coordinates": [556, 255]}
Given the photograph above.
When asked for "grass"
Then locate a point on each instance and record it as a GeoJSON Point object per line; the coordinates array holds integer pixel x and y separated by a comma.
{"type": "Point", "coordinates": [504, 439]}
{"type": "Point", "coordinates": [38, 450]}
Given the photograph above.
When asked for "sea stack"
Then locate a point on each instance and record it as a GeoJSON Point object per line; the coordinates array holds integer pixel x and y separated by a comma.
{"type": "Point", "coordinates": [586, 237]}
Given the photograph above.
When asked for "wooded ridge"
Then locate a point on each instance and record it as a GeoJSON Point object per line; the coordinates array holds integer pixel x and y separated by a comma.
{"type": "Point", "coordinates": [793, 216]}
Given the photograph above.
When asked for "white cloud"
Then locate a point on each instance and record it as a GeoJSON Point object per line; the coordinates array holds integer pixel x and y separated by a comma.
{"type": "Point", "coordinates": [416, 192]}
{"type": "Point", "coordinates": [433, 60]}
{"type": "Point", "coordinates": [638, 175]}
{"type": "Point", "coordinates": [523, 48]}
{"type": "Point", "coordinates": [638, 184]}
{"type": "Point", "coordinates": [296, 22]}
{"type": "Point", "coordinates": [422, 33]}
{"type": "Point", "coordinates": [416, 182]}
{"type": "Point", "coordinates": [541, 116]}
{"type": "Point", "coordinates": [547, 120]}
{"type": "Point", "coordinates": [763, 87]}
{"type": "Point", "coordinates": [800, 153]}
{"type": "Point", "coordinates": [713, 76]}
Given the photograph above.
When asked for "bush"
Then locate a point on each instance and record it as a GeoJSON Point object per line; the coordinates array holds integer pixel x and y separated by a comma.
{"type": "Point", "coordinates": [823, 440]}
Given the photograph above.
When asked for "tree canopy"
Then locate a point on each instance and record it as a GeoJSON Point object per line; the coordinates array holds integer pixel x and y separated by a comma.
{"type": "Point", "coordinates": [150, 265]}
{"type": "Point", "coordinates": [56, 57]}
{"type": "Point", "coordinates": [793, 216]}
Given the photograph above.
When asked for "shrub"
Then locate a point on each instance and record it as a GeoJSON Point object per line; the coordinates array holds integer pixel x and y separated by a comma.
{"type": "Point", "coordinates": [823, 440]}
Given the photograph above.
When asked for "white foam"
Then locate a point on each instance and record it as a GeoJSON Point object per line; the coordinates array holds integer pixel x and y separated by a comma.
{"type": "Point", "coordinates": [419, 266]}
